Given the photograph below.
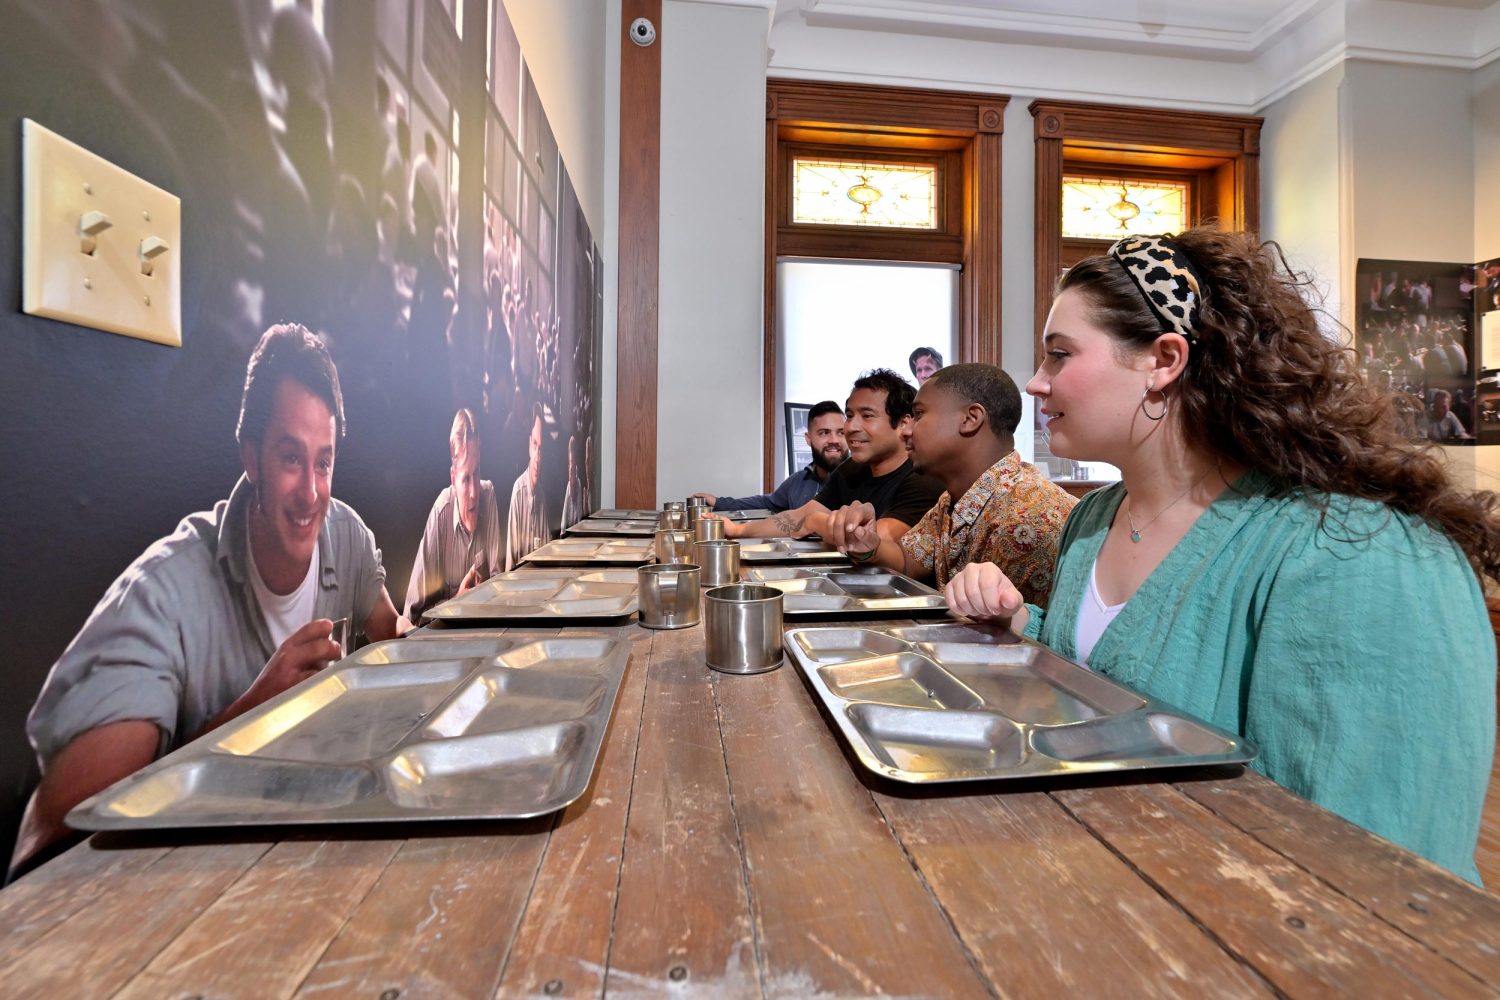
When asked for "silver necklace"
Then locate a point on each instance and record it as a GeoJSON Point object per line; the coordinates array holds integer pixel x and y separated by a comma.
{"type": "Point", "coordinates": [1135, 533]}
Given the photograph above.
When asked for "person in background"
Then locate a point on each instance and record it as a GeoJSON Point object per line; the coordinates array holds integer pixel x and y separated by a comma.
{"type": "Point", "coordinates": [460, 544]}
{"type": "Point", "coordinates": [526, 528]}
{"type": "Point", "coordinates": [234, 607]}
{"type": "Point", "coordinates": [825, 436]}
{"type": "Point", "coordinates": [1443, 424]}
{"type": "Point", "coordinates": [878, 472]}
{"type": "Point", "coordinates": [923, 362]}
{"type": "Point", "coordinates": [996, 508]}
{"type": "Point", "coordinates": [575, 497]}
{"type": "Point", "coordinates": [1277, 559]}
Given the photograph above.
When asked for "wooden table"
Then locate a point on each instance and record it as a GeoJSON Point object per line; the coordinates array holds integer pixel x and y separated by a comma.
{"type": "Point", "coordinates": [727, 847]}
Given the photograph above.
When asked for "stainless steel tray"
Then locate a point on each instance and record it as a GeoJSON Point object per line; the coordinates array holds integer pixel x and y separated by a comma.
{"type": "Point", "coordinates": [553, 597]}
{"type": "Point", "coordinates": [593, 552]}
{"type": "Point", "coordinates": [848, 592]}
{"type": "Point", "coordinates": [788, 550]}
{"type": "Point", "coordinates": [611, 526]}
{"type": "Point", "coordinates": [640, 514]}
{"type": "Point", "coordinates": [437, 729]}
{"type": "Point", "coordinates": [952, 702]}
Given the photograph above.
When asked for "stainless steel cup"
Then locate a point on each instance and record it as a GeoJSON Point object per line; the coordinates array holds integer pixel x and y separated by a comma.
{"type": "Point", "coordinates": [673, 505]}
{"type": "Point", "coordinates": [669, 595]}
{"type": "Point", "coordinates": [720, 559]}
{"type": "Point", "coordinates": [743, 624]}
{"type": "Point", "coordinates": [671, 520]}
{"type": "Point", "coordinates": [341, 634]}
{"type": "Point", "coordinates": [673, 546]}
{"type": "Point", "coordinates": [696, 511]}
{"type": "Point", "coordinates": [707, 528]}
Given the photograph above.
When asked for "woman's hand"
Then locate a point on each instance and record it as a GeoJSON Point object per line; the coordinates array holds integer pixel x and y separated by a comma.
{"type": "Point", "coordinates": [981, 592]}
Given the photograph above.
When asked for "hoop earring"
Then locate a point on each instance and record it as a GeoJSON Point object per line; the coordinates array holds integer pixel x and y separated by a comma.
{"type": "Point", "coordinates": [1166, 404]}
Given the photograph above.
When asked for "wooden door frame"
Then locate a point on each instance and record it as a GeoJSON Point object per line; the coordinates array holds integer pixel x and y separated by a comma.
{"type": "Point", "coordinates": [1224, 147]}
{"type": "Point", "coordinates": [972, 124]}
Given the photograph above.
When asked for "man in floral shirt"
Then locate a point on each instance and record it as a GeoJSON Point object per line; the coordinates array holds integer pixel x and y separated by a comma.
{"type": "Point", "coordinates": [1006, 513]}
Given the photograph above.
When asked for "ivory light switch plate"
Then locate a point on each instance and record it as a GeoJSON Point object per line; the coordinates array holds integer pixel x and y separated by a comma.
{"type": "Point", "coordinates": [101, 247]}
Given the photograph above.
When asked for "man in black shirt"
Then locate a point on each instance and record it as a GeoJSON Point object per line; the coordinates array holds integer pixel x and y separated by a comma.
{"type": "Point", "coordinates": [878, 471]}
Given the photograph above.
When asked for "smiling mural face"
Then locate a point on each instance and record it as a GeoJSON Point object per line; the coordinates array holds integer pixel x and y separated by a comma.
{"type": "Point", "coordinates": [868, 428]}
{"type": "Point", "coordinates": [292, 469]}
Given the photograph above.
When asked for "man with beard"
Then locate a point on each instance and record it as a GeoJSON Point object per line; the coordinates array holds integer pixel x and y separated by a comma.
{"type": "Point", "coordinates": [878, 473]}
{"type": "Point", "coordinates": [234, 607]}
{"type": "Point", "coordinates": [460, 545]}
{"type": "Point", "coordinates": [963, 433]}
{"type": "Point", "coordinates": [825, 435]}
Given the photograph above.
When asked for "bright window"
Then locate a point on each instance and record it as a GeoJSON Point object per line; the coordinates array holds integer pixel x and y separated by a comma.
{"type": "Point", "coordinates": [853, 193]}
{"type": "Point", "coordinates": [1101, 208]}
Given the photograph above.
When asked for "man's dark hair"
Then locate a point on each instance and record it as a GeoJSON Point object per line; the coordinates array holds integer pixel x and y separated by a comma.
{"type": "Point", "coordinates": [923, 352]}
{"type": "Point", "coordinates": [287, 350]}
{"type": "Point", "coordinates": [899, 395]}
{"type": "Point", "coordinates": [823, 409]}
{"type": "Point", "coordinates": [988, 386]}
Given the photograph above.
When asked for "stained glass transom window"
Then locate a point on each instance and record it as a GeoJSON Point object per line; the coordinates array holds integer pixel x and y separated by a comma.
{"type": "Point", "coordinates": [1098, 208]}
{"type": "Point", "coordinates": [852, 193]}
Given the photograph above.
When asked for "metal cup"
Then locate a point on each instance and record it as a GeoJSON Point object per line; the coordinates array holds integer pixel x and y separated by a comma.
{"type": "Point", "coordinates": [696, 511]}
{"type": "Point", "coordinates": [708, 528]}
{"type": "Point", "coordinates": [743, 628]}
{"type": "Point", "coordinates": [674, 546]}
{"type": "Point", "coordinates": [341, 634]}
{"type": "Point", "coordinates": [673, 505]}
{"type": "Point", "coordinates": [674, 520]}
{"type": "Point", "coordinates": [720, 559]}
{"type": "Point", "coordinates": [668, 595]}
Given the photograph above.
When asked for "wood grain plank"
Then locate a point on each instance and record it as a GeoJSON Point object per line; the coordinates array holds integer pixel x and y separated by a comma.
{"type": "Point", "coordinates": [1045, 907]}
{"type": "Point", "coordinates": [1304, 937]}
{"type": "Point", "coordinates": [838, 909]}
{"type": "Point", "coordinates": [261, 937]}
{"type": "Point", "coordinates": [563, 943]}
{"type": "Point", "coordinates": [54, 892]}
{"type": "Point", "coordinates": [1444, 912]}
{"type": "Point", "coordinates": [105, 943]}
{"type": "Point", "coordinates": [441, 918]}
{"type": "Point", "coordinates": [682, 922]}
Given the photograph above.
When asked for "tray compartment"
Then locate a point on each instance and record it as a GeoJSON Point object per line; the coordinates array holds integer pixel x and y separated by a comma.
{"type": "Point", "coordinates": [512, 699]}
{"type": "Point", "coordinates": [839, 645]}
{"type": "Point", "coordinates": [524, 770]}
{"type": "Point", "coordinates": [807, 583]}
{"type": "Point", "coordinates": [215, 786]}
{"type": "Point", "coordinates": [558, 653]}
{"type": "Point", "coordinates": [879, 585]}
{"type": "Point", "coordinates": [957, 633]}
{"type": "Point", "coordinates": [345, 716]}
{"type": "Point", "coordinates": [902, 679]}
{"type": "Point", "coordinates": [815, 602]}
{"type": "Point", "coordinates": [428, 651]}
{"type": "Point", "coordinates": [1137, 736]}
{"type": "Point", "coordinates": [926, 742]}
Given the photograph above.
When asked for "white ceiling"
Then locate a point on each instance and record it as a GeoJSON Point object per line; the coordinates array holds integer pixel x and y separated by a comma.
{"type": "Point", "coordinates": [1232, 55]}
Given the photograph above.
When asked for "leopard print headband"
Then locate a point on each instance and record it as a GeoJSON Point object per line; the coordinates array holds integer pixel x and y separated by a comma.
{"type": "Point", "coordinates": [1166, 279]}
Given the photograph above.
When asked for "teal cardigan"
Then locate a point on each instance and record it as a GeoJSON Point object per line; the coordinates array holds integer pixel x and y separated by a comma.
{"type": "Point", "coordinates": [1355, 649]}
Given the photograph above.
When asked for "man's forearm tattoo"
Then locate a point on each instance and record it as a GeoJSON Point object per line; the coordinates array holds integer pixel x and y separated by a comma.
{"type": "Point", "coordinates": [789, 522]}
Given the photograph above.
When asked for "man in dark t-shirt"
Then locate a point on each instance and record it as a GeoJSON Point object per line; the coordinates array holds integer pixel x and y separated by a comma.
{"type": "Point", "coordinates": [878, 471]}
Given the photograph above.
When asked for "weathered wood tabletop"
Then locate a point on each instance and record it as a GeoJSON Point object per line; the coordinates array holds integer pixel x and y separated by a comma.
{"type": "Point", "coordinates": [727, 847]}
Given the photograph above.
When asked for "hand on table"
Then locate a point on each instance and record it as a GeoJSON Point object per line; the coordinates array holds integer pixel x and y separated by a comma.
{"type": "Point", "coordinates": [981, 592]}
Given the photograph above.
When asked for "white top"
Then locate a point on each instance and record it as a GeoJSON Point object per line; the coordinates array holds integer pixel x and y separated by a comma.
{"type": "Point", "coordinates": [285, 614]}
{"type": "Point", "coordinates": [1094, 617]}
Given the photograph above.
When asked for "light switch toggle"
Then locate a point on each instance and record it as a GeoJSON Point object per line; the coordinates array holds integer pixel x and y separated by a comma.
{"type": "Point", "coordinates": [89, 227]}
{"type": "Point", "coordinates": [152, 247]}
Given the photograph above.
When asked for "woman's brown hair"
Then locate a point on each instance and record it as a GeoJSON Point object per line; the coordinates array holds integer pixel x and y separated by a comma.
{"type": "Point", "coordinates": [1266, 388]}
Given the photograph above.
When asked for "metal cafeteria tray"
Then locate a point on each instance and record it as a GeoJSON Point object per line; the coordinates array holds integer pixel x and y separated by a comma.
{"type": "Point", "coordinates": [554, 597]}
{"type": "Point", "coordinates": [954, 702]}
{"type": "Point", "coordinates": [848, 592]}
{"type": "Point", "coordinates": [639, 514]}
{"type": "Point", "coordinates": [438, 729]}
{"type": "Point", "coordinates": [593, 552]}
{"type": "Point", "coordinates": [788, 550]}
{"type": "Point", "coordinates": [609, 526]}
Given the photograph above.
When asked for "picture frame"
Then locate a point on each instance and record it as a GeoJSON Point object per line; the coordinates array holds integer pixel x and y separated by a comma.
{"type": "Point", "coordinates": [798, 452]}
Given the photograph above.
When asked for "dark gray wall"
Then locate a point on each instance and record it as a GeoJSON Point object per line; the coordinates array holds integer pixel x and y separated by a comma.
{"type": "Point", "coordinates": [288, 141]}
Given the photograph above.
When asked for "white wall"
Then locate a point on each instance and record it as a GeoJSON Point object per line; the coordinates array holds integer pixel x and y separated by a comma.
{"type": "Point", "coordinates": [709, 341]}
{"type": "Point", "coordinates": [1302, 182]}
{"type": "Point", "coordinates": [1485, 104]}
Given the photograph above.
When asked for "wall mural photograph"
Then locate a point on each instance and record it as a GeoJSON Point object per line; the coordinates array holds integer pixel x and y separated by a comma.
{"type": "Point", "coordinates": [341, 186]}
{"type": "Point", "coordinates": [1414, 333]}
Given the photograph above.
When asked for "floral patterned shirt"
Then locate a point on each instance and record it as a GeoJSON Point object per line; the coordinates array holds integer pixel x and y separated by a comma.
{"type": "Point", "coordinates": [1012, 516]}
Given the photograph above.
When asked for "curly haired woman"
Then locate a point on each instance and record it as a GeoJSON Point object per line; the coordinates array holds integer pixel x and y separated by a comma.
{"type": "Point", "coordinates": [1277, 559]}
